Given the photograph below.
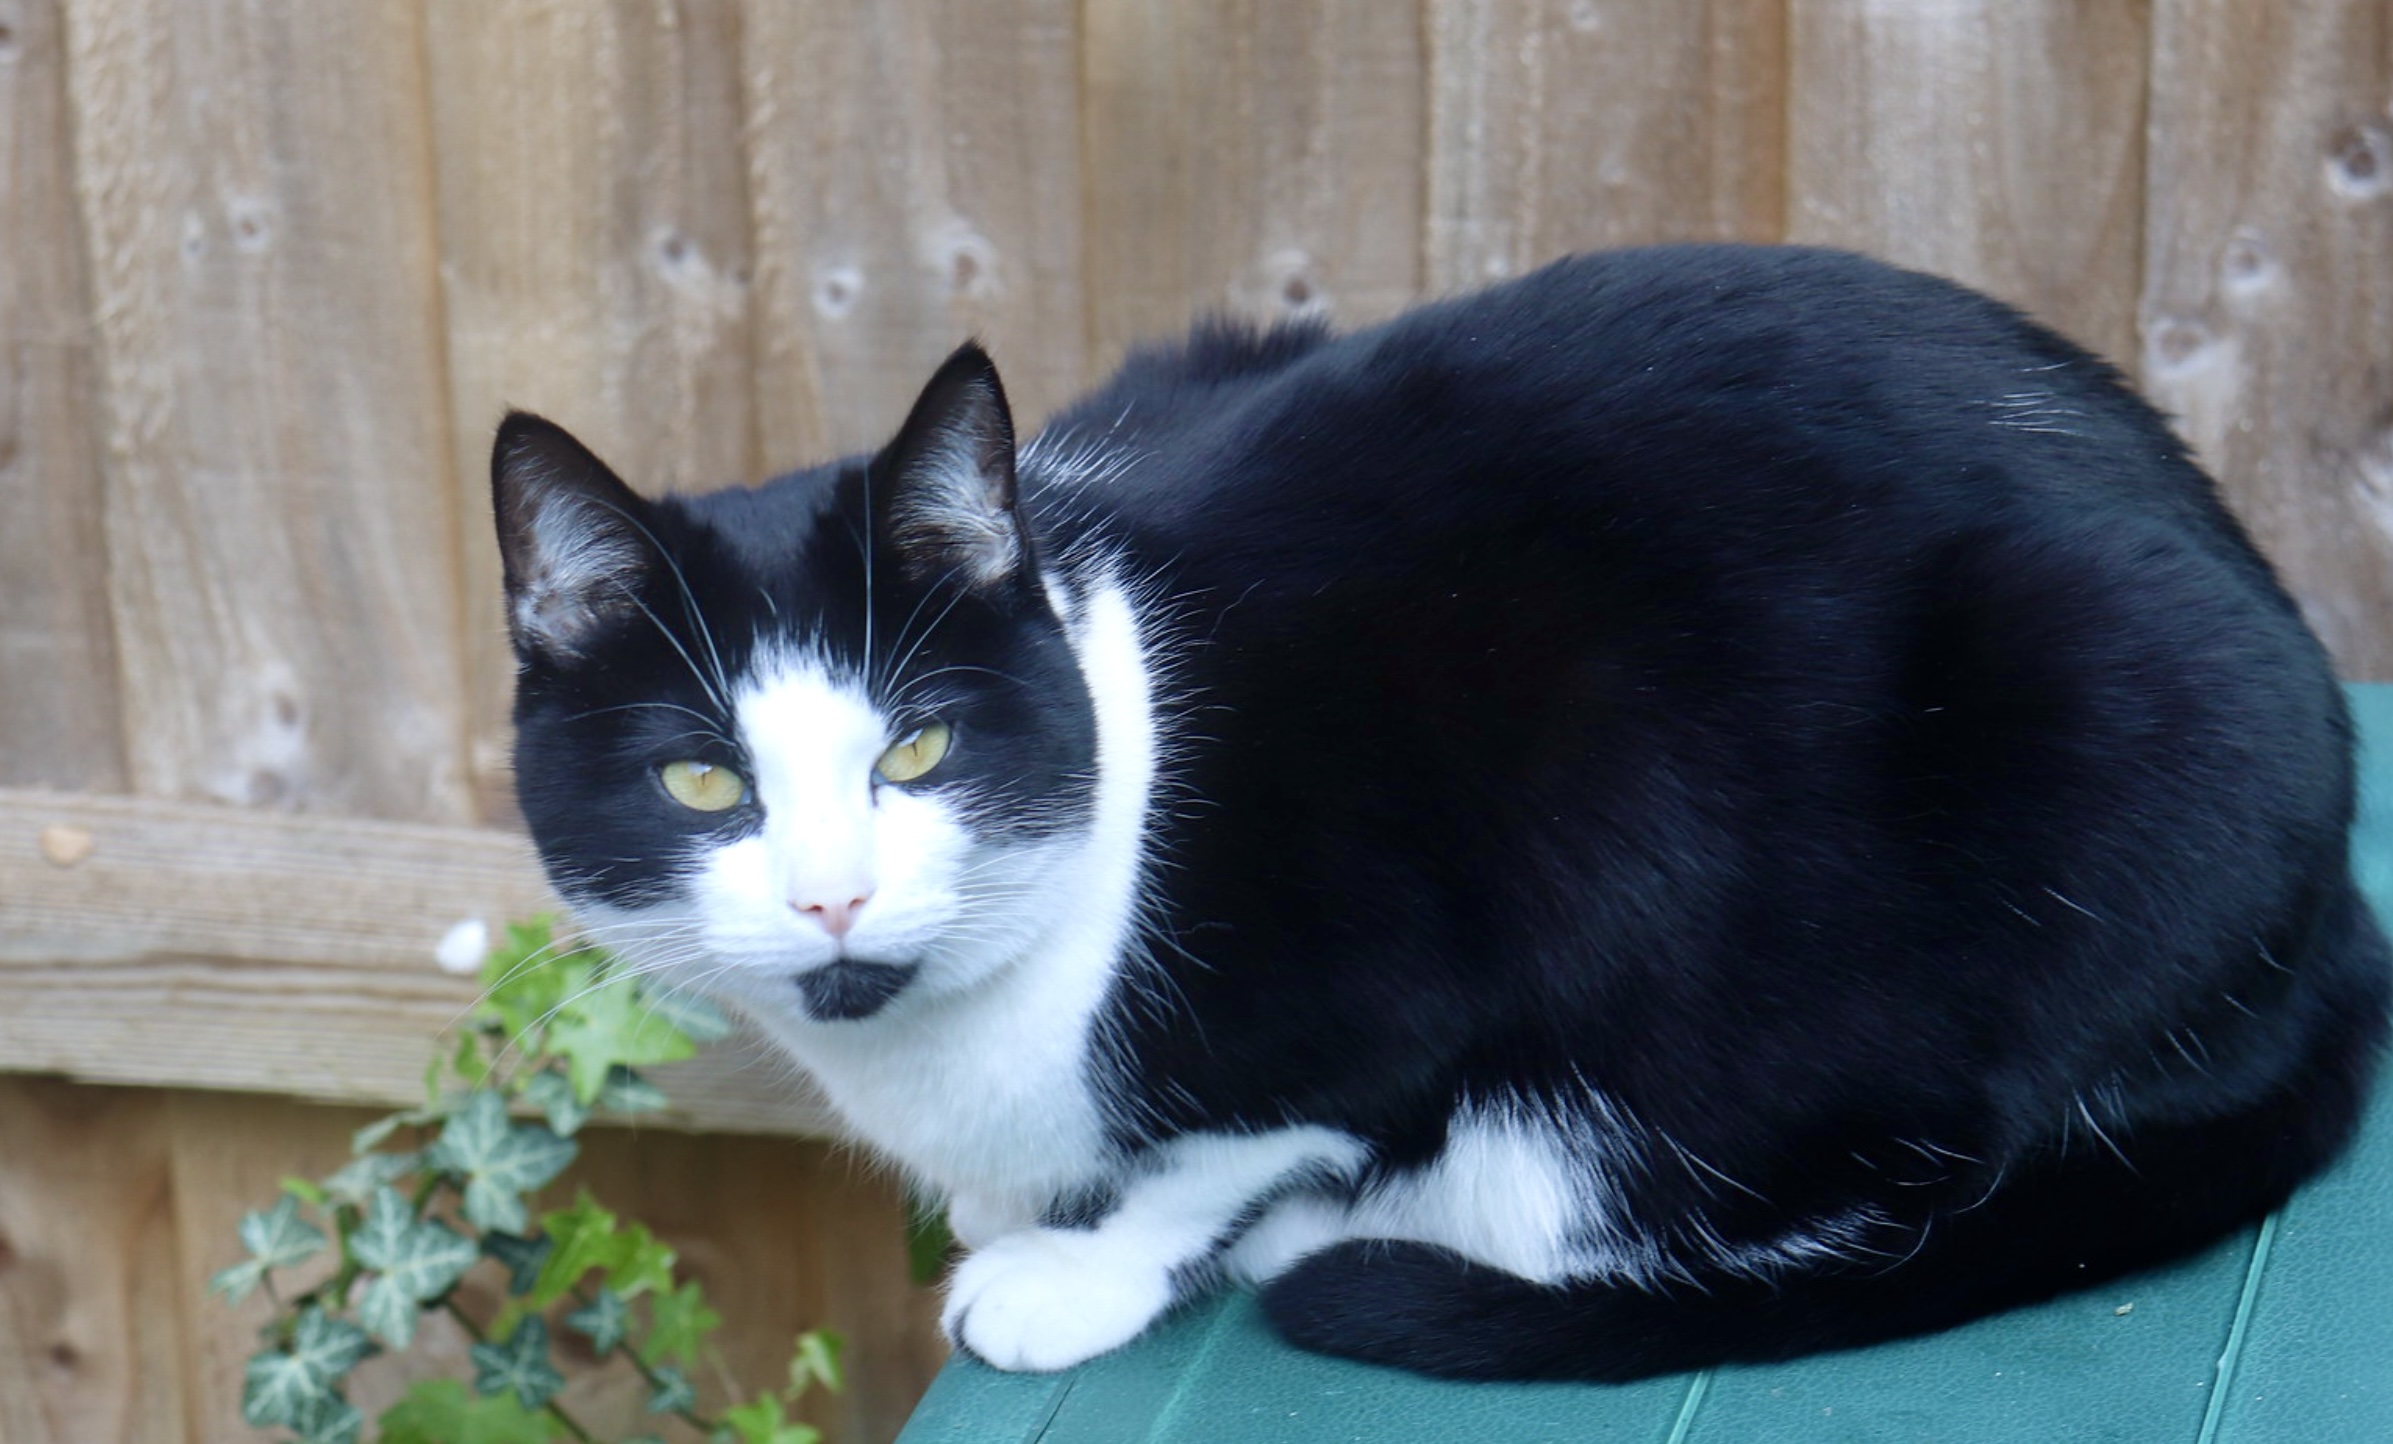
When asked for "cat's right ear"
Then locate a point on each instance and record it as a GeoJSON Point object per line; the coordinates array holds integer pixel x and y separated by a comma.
{"type": "Point", "coordinates": [572, 537]}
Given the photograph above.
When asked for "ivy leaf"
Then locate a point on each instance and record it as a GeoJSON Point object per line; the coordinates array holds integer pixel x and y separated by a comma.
{"type": "Point", "coordinates": [693, 1016]}
{"type": "Point", "coordinates": [327, 1419]}
{"type": "Point", "coordinates": [628, 1092]}
{"type": "Point", "coordinates": [357, 1179]}
{"type": "Point", "coordinates": [443, 1411]}
{"type": "Point", "coordinates": [816, 1361]}
{"type": "Point", "coordinates": [367, 1139]}
{"type": "Point", "coordinates": [501, 1161]}
{"type": "Point", "coordinates": [276, 1238]}
{"type": "Point", "coordinates": [416, 1260]}
{"type": "Point", "coordinates": [761, 1423]}
{"type": "Point", "coordinates": [585, 1239]}
{"type": "Point", "coordinates": [518, 1365]}
{"type": "Point", "coordinates": [279, 1384]}
{"type": "Point", "coordinates": [678, 1323]}
{"type": "Point", "coordinates": [672, 1394]}
{"type": "Point", "coordinates": [526, 978]}
{"type": "Point", "coordinates": [588, 1237]}
{"type": "Point", "coordinates": [602, 1320]}
{"type": "Point", "coordinates": [609, 1025]}
{"type": "Point", "coordinates": [550, 1092]}
{"type": "Point", "coordinates": [523, 1257]}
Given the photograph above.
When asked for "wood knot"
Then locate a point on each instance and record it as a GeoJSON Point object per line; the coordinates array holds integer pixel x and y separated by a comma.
{"type": "Point", "coordinates": [2360, 161]}
{"type": "Point", "coordinates": [63, 844]}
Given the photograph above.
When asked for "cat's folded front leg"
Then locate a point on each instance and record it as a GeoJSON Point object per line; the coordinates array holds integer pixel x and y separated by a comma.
{"type": "Point", "coordinates": [1049, 1297]}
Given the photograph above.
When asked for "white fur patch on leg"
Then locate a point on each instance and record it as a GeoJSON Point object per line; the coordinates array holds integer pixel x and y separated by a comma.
{"type": "Point", "coordinates": [1046, 1298]}
{"type": "Point", "coordinates": [1049, 1298]}
{"type": "Point", "coordinates": [1296, 1226]}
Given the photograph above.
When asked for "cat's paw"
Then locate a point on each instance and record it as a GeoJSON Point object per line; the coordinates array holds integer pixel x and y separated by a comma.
{"type": "Point", "coordinates": [1046, 1299]}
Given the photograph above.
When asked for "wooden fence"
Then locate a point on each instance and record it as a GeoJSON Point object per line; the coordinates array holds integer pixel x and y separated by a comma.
{"type": "Point", "coordinates": [268, 274]}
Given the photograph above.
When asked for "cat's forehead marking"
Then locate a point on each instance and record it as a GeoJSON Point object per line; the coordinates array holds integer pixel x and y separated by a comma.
{"type": "Point", "coordinates": [797, 712]}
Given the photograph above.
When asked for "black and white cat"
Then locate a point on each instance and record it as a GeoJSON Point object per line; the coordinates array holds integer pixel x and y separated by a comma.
{"type": "Point", "coordinates": [1705, 803]}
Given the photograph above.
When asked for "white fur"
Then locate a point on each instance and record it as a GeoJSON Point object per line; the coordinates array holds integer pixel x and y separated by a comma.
{"type": "Point", "coordinates": [978, 1078]}
{"type": "Point", "coordinates": [1049, 1298]}
{"type": "Point", "coordinates": [581, 553]}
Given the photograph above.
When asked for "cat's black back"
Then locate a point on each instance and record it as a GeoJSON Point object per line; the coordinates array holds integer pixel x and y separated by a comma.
{"type": "Point", "coordinates": [1807, 703]}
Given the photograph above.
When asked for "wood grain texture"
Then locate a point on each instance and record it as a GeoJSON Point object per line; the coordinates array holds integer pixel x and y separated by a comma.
{"type": "Point", "coordinates": [1568, 125]}
{"type": "Point", "coordinates": [91, 1316]}
{"type": "Point", "coordinates": [1260, 157]}
{"type": "Point", "coordinates": [914, 172]}
{"type": "Point", "coordinates": [595, 260]}
{"type": "Point", "coordinates": [58, 707]}
{"type": "Point", "coordinates": [225, 948]}
{"type": "Point", "coordinates": [2267, 309]}
{"type": "Point", "coordinates": [1996, 143]}
{"type": "Point", "coordinates": [228, 1154]}
{"type": "Point", "coordinates": [786, 1235]}
{"type": "Point", "coordinates": [254, 189]}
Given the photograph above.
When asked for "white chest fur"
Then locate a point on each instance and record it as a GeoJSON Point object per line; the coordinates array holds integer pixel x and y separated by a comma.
{"type": "Point", "coordinates": [990, 1093]}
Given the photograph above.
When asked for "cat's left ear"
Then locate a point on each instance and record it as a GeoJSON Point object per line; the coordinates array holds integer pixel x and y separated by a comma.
{"type": "Point", "coordinates": [943, 491]}
{"type": "Point", "coordinates": [572, 537]}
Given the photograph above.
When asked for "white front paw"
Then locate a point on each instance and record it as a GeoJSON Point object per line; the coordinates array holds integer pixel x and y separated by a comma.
{"type": "Point", "coordinates": [1046, 1299]}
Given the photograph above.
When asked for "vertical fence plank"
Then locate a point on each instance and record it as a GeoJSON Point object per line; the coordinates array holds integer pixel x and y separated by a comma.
{"type": "Point", "coordinates": [254, 189]}
{"type": "Point", "coordinates": [229, 1152]}
{"type": "Point", "coordinates": [58, 707]}
{"type": "Point", "coordinates": [1997, 143]}
{"type": "Point", "coordinates": [914, 171]}
{"type": "Point", "coordinates": [1569, 125]}
{"type": "Point", "coordinates": [2268, 298]}
{"type": "Point", "coordinates": [91, 1324]}
{"type": "Point", "coordinates": [595, 258]}
{"type": "Point", "coordinates": [1257, 156]}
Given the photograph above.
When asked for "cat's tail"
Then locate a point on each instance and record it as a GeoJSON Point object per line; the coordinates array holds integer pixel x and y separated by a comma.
{"type": "Point", "coordinates": [2062, 1220]}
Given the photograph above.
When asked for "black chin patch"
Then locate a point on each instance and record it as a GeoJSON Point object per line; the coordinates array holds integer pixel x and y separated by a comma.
{"type": "Point", "coordinates": [848, 990]}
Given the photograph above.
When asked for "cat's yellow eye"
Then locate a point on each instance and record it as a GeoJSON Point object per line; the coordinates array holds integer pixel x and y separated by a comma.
{"type": "Point", "coordinates": [702, 786]}
{"type": "Point", "coordinates": [914, 754]}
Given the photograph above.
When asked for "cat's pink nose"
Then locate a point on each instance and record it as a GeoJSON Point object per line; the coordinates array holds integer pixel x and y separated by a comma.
{"type": "Point", "coordinates": [836, 918]}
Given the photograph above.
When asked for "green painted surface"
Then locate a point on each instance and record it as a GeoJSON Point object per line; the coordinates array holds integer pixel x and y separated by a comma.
{"type": "Point", "coordinates": [2281, 1334]}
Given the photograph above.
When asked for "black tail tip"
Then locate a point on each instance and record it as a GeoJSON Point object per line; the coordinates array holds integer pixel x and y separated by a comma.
{"type": "Point", "coordinates": [1412, 1306]}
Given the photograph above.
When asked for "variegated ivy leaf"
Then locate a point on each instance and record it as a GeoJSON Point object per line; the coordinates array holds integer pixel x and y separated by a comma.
{"type": "Point", "coordinates": [672, 1394]}
{"type": "Point", "coordinates": [356, 1180]}
{"type": "Point", "coordinates": [523, 1257]}
{"type": "Point", "coordinates": [279, 1384]}
{"type": "Point", "coordinates": [275, 1238]}
{"type": "Point", "coordinates": [414, 1259]}
{"type": "Point", "coordinates": [602, 1320]}
{"type": "Point", "coordinates": [549, 1092]}
{"type": "Point", "coordinates": [518, 1365]}
{"type": "Point", "coordinates": [628, 1092]}
{"type": "Point", "coordinates": [501, 1161]}
{"type": "Point", "coordinates": [328, 1419]}
{"type": "Point", "coordinates": [693, 1015]}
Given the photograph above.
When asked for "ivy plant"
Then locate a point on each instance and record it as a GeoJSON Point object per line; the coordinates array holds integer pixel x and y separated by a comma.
{"type": "Point", "coordinates": [435, 1192]}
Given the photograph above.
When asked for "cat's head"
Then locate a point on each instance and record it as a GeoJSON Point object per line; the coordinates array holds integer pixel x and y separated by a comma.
{"type": "Point", "coordinates": [813, 747]}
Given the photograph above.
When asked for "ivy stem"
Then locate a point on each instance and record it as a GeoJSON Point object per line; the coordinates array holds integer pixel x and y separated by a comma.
{"type": "Point", "coordinates": [479, 1335]}
{"type": "Point", "coordinates": [698, 1421]}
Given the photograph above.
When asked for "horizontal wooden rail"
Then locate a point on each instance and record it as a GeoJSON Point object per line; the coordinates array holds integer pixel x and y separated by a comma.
{"type": "Point", "coordinates": [182, 944]}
